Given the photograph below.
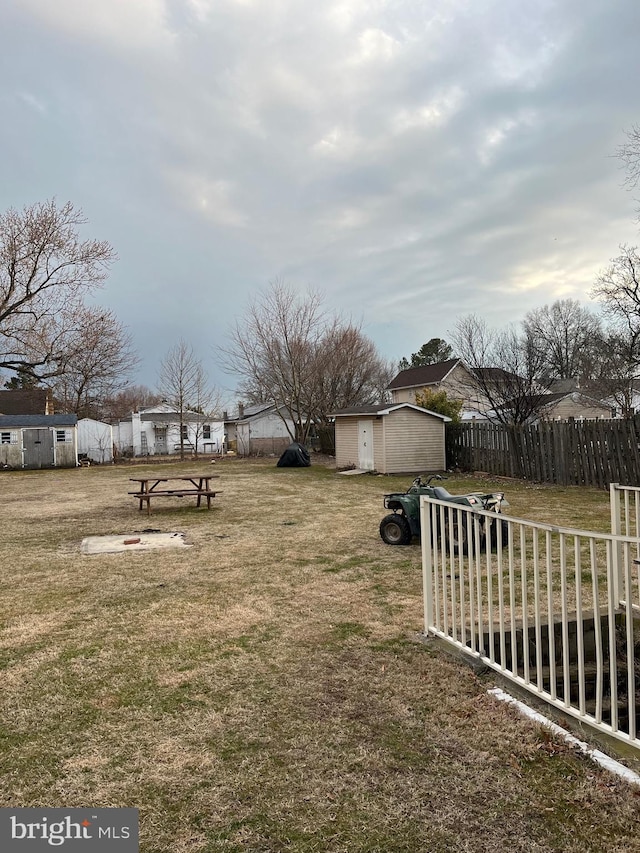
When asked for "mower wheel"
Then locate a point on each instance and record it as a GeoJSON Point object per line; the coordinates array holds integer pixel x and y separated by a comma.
{"type": "Point", "coordinates": [395, 530]}
{"type": "Point", "coordinates": [460, 543]}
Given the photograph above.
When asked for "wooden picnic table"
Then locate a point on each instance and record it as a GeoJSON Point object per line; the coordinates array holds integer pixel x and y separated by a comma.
{"type": "Point", "coordinates": [197, 485]}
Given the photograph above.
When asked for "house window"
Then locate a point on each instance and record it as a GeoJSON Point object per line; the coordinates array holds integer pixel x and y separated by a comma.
{"type": "Point", "coordinates": [206, 430]}
{"type": "Point", "coordinates": [61, 435]}
{"type": "Point", "coordinates": [185, 432]}
{"type": "Point", "coordinates": [5, 438]}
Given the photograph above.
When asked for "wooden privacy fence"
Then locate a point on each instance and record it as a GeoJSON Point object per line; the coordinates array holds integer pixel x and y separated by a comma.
{"type": "Point", "coordinates": [568, 453]}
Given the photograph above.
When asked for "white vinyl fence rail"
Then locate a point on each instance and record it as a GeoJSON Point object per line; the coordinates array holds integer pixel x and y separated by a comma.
{"type": "Point", "coordinates": [554, 609]}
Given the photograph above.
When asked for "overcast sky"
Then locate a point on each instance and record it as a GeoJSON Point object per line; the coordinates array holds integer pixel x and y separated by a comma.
{"type": "Point", "coordinates": [416, 160]}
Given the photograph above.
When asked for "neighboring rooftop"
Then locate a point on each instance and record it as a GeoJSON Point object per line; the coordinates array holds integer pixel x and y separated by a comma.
{"type": "Point", "coordinates": [28, 401]}
{"type": "Point", "coordinates": [428, 374]}
{"type": "Point", "coordinates": [17, 421]}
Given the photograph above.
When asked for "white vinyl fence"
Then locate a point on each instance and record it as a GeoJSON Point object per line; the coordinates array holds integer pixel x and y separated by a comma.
{"type": "Point", "coordinates": [554, 609]}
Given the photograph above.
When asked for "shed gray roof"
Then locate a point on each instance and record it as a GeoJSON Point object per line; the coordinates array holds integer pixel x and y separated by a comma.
{"type": "Point", "coordinates": [386, 409]}
{"type": "Point", "coordinates": [361, 410]}
{"type": "Point", "coordinates": [259, 410]}
{"type": "Point", "coordinates": [19, 421]}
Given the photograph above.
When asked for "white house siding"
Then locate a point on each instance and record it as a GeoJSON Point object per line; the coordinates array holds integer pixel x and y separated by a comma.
{"type": "Point", "coordinates": [404, 395]}
{"type": "Point", "coordinates": [347, 442]}
{"type": "Point", "coordinates": [262, 434]}
{"type": "Point", "coordinates": [569, 407]}
{"type": "Point", "coordinates": [413, 442]}
{"type": "Point", "coordinates": [215, 442]}
{"type": "Point", "coordinates": [158, 438]}
{"type": "Point", "coordinates": [95, 440]}
{"type": "Point", "coordinates": [123, 437]}
{"type": "Point", "coordinates": [155, 434]}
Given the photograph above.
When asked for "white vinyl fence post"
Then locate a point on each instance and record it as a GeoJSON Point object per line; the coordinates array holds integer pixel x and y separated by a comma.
{"type": "Point", "coordinates": [616, 530]}
{"type": "Point", "coordinates": [427, 563]}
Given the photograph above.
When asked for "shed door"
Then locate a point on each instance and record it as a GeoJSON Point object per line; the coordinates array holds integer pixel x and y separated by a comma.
{"type": "Point", "coordinates": [38, 448]}
{"type": "Point", "coordinates": [365, 445]}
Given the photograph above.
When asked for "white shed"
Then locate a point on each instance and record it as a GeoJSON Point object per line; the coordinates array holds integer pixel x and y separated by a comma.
{"type": "Point", "coordinates": [263, 429]}
{"type": "Point", "coordinates": [392, 439]}
{"type": "Point", "coordinates": [95, 440]}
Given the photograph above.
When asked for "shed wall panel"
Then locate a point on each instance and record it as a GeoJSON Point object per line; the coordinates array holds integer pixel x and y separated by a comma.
{"type": "Point", "coordinates": [379, 450]}
{"type": "Point", "coordinates": [11, 455]}
{"type": "Point", "coordinates": [346, 442]}
{"type": "Point", "coordinates": [413, 442]}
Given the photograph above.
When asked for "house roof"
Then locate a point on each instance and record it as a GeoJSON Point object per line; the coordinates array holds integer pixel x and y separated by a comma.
{"type": "Point", "coordinates": [249, 412]}
{"type": "Point", "coordinates": [496, 374]}
{"type": "Point", "coordinates": [589, 387]}
{"type": "Point", "coordinates": [385, 409]}
{"type": "Point", "coordinates": [542, 401]}
{"type": "Point", "coordinates": [28, 401]}
{"type": "Point", "coordinates": [566, 386]}
{"type": "Point", "coordinates": [428, 374]}
{"type": "Point", "coordinates": [19, 421]}
{"type": "Point", "coordinates": [256, 409]}
{"type": "Point", "coordinates": [165, 413]}
{"type": "Point", "coordinates": [172, 417]}
{"type": "Point", "coordinates": [577, 396]}
{"type": "Point", "coordinates": [259, 409]}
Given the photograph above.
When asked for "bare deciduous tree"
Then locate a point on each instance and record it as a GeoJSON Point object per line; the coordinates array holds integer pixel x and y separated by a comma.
{"type": "Point", "coordinates": [567, 339]}
{"type": "Point", "coordinates": [274, 349]}
{"type": "Point", "coordinates": [618, 288]}
{"type": "Point", "coordinates": [629, 153]}
{"type": "Point", "coordinates": [618, 370]}
{"type": "Point", "coordinates": [183, 383]}
{"type": "Point", "coordinates": [504, 368]}
{"type": "Point", "coordinates": [349, 372]}
{"type": "Point", "coordinates": [46, 269]}
{"type": "Point", "coordinates": [128, 400]}
{"type": "Point", "coordinates": [294, 354]}
{"type": "Point", "coordinates": [206, 403]}
{"type": "Point", "coordinates": [96, 360]}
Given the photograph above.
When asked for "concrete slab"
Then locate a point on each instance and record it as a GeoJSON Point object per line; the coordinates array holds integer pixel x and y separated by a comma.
{"type": "Point", "coordinates": [353, 471]}
{"type": "Point", "coordinates": [132, 542]}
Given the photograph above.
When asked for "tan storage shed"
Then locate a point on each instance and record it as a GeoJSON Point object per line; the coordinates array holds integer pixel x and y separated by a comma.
{"type": "Point", "coordinates": [399, 438]}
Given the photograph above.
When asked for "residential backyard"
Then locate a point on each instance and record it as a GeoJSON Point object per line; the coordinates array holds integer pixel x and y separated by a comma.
{"type": "Point", "coordinates": [267, 689]}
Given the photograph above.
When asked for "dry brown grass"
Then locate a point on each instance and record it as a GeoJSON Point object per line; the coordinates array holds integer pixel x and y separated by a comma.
{"type": "Point", "coordinates": [264, 690]}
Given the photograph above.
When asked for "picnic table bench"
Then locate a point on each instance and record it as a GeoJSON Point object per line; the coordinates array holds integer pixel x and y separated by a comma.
{"type": "Point", "coordinates": [196, 486]}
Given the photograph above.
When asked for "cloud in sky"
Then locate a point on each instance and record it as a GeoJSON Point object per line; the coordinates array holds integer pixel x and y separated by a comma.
{"type": "Point", "coordinates": [414, 161]}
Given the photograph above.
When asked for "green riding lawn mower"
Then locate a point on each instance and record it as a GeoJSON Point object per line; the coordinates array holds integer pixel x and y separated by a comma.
{"type": "Point", "coordinates": [403, 523]}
